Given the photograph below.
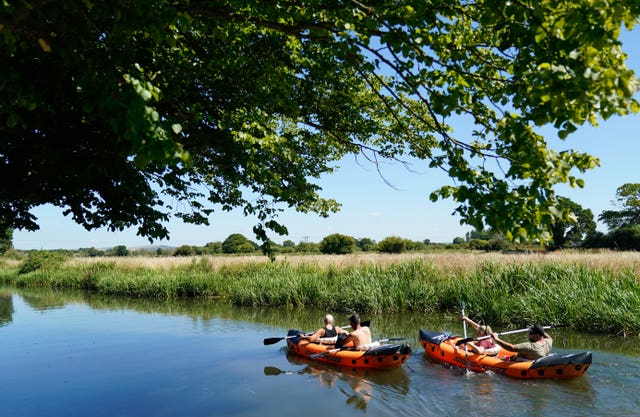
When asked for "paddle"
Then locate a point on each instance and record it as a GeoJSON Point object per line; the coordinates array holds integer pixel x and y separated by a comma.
{"type": "Point", "coordinates": [273, 340]}
{"type": "Point", "coordinates": [464, 325]}
{"type": "Point", "coordinates": [330, 351]}
{"type": "Point", "coordinates": [272, 370]}
{"type": "Point", "coordinates": [474, 339]}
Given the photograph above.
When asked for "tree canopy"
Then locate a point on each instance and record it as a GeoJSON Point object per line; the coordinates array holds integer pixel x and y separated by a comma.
{"type": "Point", "coordinates": [628, 199]}
{"type": "Point", "coordinates": [125, 115]}
{"type": "Point", "coordinates": [573, 232]}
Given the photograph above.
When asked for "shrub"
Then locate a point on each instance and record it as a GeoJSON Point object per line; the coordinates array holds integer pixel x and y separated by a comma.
{"type": "Point", "coordinates": [41, 260]}
{"type": "Point", "coordinates": [393, 244]}
{"type": "Point", "coordinates": [184, 250]}
{"type": "Point", "coordinates": [338, 244]}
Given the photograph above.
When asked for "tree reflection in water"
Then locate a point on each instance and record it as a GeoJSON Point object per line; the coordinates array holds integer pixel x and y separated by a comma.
{"type": "Point", "coordinates": [6, 309]}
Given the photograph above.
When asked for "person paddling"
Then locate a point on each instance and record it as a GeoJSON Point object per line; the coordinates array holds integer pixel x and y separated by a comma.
{"type": "Point", "coordinates": [484, 346]}
{"type": "Point", "coordinates": [360, 336]}
{"type": "Point", "coordinates": [329, 330]}
{"type": "Point", "coordinates": [538, 346]}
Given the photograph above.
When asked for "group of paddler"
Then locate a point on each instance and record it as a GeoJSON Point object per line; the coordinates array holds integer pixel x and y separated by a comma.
{"type": "Point", "coordinates": [486, 351]}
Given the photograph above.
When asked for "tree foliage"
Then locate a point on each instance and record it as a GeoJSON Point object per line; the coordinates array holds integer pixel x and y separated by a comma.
{"type": "Point", "coordinates": [394, 244]}
{"type": "Point", "coordinates": [625, 238]}
{"type": "Point", "coordinates": [237, 243]}
{"type": "Point", "coordinates": [572, 232]}
{"type": "Point", "coordinates": [628, 199]}
{"type": "Point", "coordinates": [184, 250]}
{"type": "Point", "coordinates": [119, 250]}
{"type": "Point", "coordinates": [366, 244]}
{"type": "Point", "coordinates": [125, 116]}
{"type": "Point", "coordinates": [6, 239]}
{"type": "Point", "coordinates": [337, 244]}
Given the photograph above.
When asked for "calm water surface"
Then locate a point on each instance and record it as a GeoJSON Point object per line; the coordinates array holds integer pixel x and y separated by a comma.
{"type": "Point", "coordinates": [76, 354]}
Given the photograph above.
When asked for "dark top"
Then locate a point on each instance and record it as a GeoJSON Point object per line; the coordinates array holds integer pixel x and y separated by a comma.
{"type": "Point", "coordinates": [330, 332]}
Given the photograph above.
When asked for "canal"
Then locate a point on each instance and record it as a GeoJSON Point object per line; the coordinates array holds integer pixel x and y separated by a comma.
{"type": "Point", "coordinates": [80, 354]}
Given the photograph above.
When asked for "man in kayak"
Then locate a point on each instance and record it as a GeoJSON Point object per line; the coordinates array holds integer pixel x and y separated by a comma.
{"type": "Point", "coordinates": [538, 346]}
{"type": "Point", "coordinates": [329, 330]}
{"type": "Point", "coordinates": [484, 346]}
{"type": "Point", "coordinates": [360, 336]}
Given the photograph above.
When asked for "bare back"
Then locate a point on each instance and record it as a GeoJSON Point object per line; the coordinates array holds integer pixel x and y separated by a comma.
{"type": "Point", "coordinates": [361, 336]}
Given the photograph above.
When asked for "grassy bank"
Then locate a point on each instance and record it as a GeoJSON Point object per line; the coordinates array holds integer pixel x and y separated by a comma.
{"type": "Point", "coordinates": [594, 292]}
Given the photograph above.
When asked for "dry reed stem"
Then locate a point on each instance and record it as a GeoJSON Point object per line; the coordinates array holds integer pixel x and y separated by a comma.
{"type": "Point", "coordinates": [454, 261]}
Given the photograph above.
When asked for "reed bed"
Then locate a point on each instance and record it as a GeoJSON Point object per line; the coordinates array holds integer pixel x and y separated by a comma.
{"type": "Point", "coordinates": [595, 292]}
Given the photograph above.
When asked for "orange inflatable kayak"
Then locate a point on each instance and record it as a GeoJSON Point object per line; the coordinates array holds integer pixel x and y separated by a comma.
{"type": "Point", "coordinates": [380, 357]}
{"type": "Point", "coordinates": [441, 347]}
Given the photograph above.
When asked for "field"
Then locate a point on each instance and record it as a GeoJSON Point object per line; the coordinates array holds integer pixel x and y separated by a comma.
{"type": "Point", "coordinates": [596, 292]}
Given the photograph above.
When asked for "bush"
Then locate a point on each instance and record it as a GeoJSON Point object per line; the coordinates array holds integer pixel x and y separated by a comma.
{"type": "Point", "coordinates": [307, 247]}
{"type": "Point", "coordinates": [41, 260]}
{"type": "Point", "coordinates": [626, 238]}
{"type": "Point", "coordinates": [184, 250]}
{"type": "Point", "coordinates": [238, 243]}
{"type": "Point", "coordinates": [338, 244]}
{"type": "Point", "coordinates": [394, 244]}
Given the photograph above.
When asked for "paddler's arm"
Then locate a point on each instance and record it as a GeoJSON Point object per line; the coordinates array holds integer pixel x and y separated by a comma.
{"type": "Point", "coordinates": [471, 322]}
{"type": "Point", "coordinates": [314, 337]}
{"type": "Point", "coordinates": [502, 343]}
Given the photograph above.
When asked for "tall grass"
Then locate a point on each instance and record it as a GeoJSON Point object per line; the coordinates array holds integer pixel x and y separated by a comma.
{"type": "Point", "coordinates": [595, 292]}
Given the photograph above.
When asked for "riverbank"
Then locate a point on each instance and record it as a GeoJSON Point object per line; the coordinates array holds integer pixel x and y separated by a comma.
{"type": "Point", "coordinates": [595, 292]}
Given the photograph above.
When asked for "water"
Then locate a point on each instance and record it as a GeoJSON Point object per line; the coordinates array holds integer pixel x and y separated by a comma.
{"type": "Point", "coordinates": [76, 354]}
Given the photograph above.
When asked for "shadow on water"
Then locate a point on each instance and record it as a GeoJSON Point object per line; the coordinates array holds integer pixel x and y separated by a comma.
{"type": "Point", "coordinates": [357, 386]}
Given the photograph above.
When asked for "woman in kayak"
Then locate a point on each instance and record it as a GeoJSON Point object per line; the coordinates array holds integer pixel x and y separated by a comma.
{"type": "Point", "coordinates": [328, 331]}
{"type": "Point", "coordinates": [484, 346]}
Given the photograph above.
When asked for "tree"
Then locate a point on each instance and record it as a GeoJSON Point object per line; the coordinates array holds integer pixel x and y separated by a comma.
{"type": "Point", "coordinates": [111, 111]}
{"type": "Point", "coordinates": [628, 199]}
{"type": "Point", "coordinates": [625, 238]}
{"type": "Point", "coordinates": [237, 243]}
{"type": "Point", "coordinates": [366, 244]}
{"type": "Point", "coordinates": [92, 252]}
{"type": "Point", "coordinates": [6, 239]}
{"type": "Point", "coordinates": [307, 247]}
{"type": "Point", "coordinates": [394, 244]}
{"type": "Point", "coordinates": [213, 247]}
{"type": "Point", "coordinates": [184, 250]}
{"type": "Point", "coordinates": [573, 231]}
{"type": "Point", "coordinates": [119, 250]}
{"type": "Point", "coordinates": [337, 244]}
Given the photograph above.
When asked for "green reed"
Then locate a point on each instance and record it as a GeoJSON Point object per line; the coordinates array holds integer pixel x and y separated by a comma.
{"type": "Point", "coordinates": [589, 298]}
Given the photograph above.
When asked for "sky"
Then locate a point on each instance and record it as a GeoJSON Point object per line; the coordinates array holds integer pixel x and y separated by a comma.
{"type": "Point", "coordinates": [370, 207]}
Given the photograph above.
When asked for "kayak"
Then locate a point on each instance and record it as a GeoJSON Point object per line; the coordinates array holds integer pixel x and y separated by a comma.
{"type": "Point", "coordinates": [441, 347]}
{"type": "Point", "coordinates": [379, 356]}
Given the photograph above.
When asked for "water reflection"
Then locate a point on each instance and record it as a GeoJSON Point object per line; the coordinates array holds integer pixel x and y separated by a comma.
{"type": "Point", "coordinates": [6, 309]}
{"type": "Point", "coordinates": [357, 386]}
{"type": "Point", "coordinates": [202, 311]}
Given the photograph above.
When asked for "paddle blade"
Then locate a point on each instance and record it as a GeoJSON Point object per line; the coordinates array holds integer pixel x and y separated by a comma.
{"type": "Point", "coordinates": [272, 370]}
{"type": "Point", "coordinates": [272, 340]}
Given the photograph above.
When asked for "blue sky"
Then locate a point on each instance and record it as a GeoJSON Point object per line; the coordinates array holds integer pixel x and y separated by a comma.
{"type": "Point", "coordinates": [373, 209]}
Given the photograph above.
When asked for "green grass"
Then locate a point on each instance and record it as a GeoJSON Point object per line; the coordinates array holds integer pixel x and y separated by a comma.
{"type": "Point", "coordinates": [506, 294]}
